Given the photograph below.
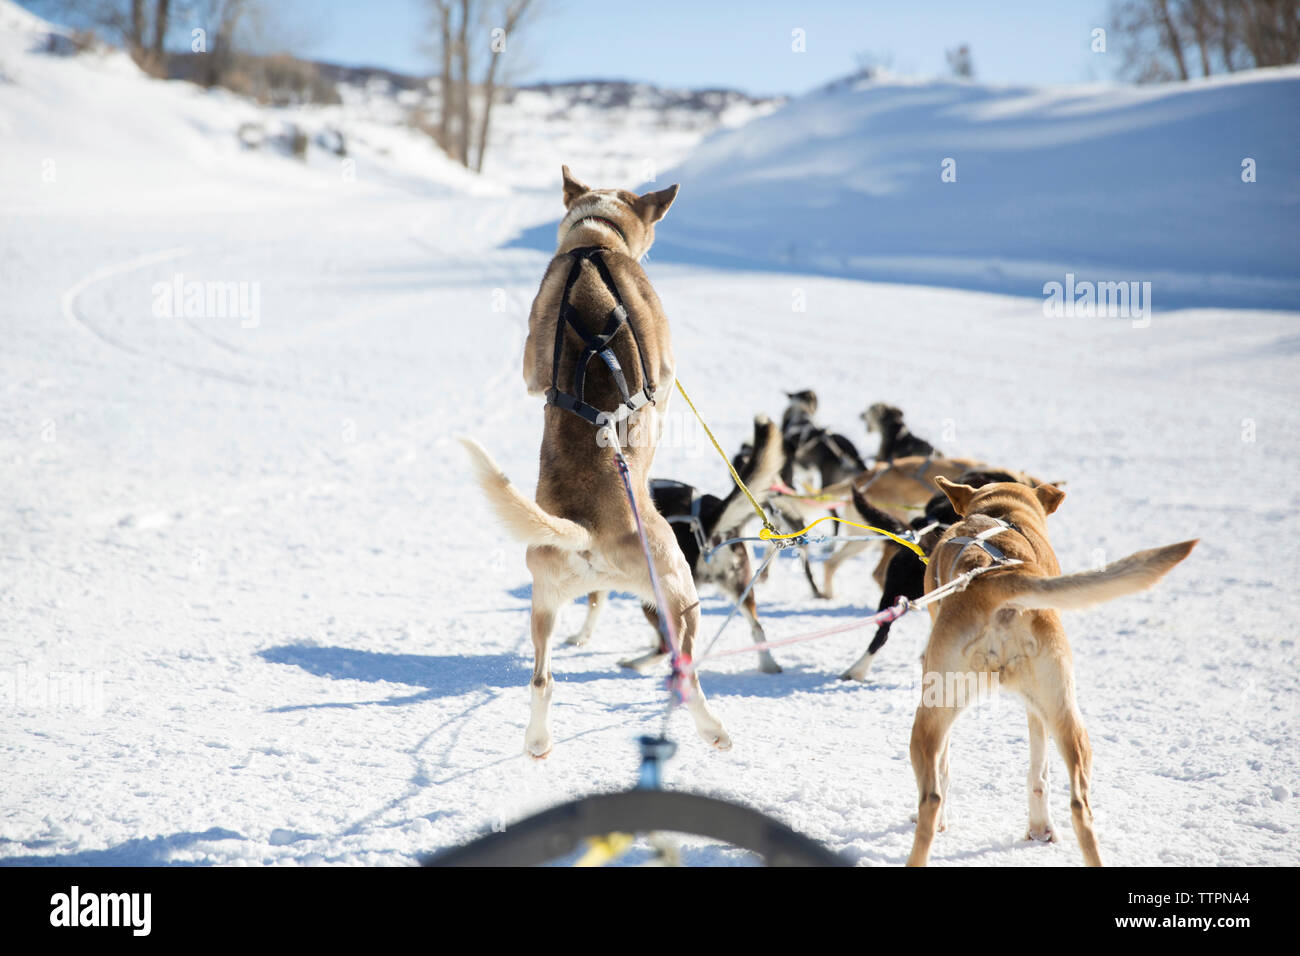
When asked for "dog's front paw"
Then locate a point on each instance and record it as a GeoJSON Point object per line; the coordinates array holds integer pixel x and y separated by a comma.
{"type": "Point", "coordinates": [719, 738]}
{"type": "Point", "coordinates": [859, 671]}
{"type": "Point", "coordinates": [768, 665]}
{"type": "Point", "coordinates": [578, 640]}
{"type": "Point", "coordinates": [1041, 833]}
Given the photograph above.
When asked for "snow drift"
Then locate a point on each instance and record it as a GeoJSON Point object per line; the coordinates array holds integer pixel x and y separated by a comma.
{"type": "Point", "coordinates": [1109, 183]}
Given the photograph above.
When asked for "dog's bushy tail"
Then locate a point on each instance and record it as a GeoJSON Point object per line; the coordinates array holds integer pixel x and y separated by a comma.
{"type": "Point", "coordinates": [523, 518]}
{"type": "Point", "coordinates": [1069, 592]}
{"type": "Point", "coordinates": [763, 468]}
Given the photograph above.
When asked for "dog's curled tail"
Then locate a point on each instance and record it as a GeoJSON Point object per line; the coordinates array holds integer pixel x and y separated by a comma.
{"type": "Point", "coordinates": [1069, 592]}
{"type": "Point", "coordinates": [523, 518]}
{"type": "Point", "coordinates": [873, 515]}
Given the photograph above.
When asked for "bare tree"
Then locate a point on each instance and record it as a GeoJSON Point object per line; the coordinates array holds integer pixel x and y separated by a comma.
{"type": "Point", "coordinates": [1159, 38]}
{"type": "Point", "coordinates": [471, 39]}
{"type": "Point", "coordinates": [223, 19]}
{"type": "Point", "coordinates": [959, 61]}
{"type": "Point", "coordinates": [135, 39]}
{"type": "Point", "coordinates": [1171, 38]}
{"type": "Point", "coordinates": [512, 17]}
{"type": "Point", "coordinates": [141, 26]}
{"type": "Point", "coordinates": [1271, 31]}
{"type": "Point", "coordinates": [462, 83]}
{"type": "Point", "coordinates": [162, 12]}
{"type": "Point", "coordinates": [443, 18]}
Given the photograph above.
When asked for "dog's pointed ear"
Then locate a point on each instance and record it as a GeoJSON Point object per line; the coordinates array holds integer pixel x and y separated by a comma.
{"type": "Point", "coordinates": [959, 495]}
{"type": "Point", "coordinates": [652, 206]}
{"type": "Point", "coordinates": [573, 188]}
{"type": "Point", "coordinates": [1050, 497]}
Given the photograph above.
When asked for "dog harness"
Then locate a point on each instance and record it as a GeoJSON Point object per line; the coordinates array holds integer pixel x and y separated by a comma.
{"type": "Point", "coordinates": [692, 519]}
{"type": "Point", "coordinates": [982, 541]}
{"type": "Point", "coordinates": [596, 344]}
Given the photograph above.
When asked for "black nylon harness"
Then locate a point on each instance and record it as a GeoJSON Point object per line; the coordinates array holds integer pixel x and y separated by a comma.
{"type": "Point", "coordinates": [597, 344]}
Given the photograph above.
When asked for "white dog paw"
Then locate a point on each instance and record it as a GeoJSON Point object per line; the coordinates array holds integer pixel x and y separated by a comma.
{"type": "Point", "coordinates": [716, 737]}
{"type": "Point", "coordinates": [538, 745]}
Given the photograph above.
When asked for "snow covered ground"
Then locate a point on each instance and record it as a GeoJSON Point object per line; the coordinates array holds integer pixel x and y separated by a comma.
{"type": "Point", "coordinates": [252, 611]}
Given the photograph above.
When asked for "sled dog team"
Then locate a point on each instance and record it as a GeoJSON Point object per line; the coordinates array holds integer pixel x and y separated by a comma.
{"type": "Point", "coordinates": [600, 351]}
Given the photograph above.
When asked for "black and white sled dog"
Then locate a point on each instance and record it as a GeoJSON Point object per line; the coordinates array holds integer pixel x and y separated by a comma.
{"type": "Point", "coordinates": [896, 439]}
{"type": "Point", "coordinates": [810, 448]}
{"type": "Point", "coordinates": [702, 522]}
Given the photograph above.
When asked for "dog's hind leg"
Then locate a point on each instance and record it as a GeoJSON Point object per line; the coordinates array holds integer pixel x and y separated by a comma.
{"type": "Point", "coordinates": [688, 617]}
{"type": "Point", "coordinates": [1051, 694]}
{"type": "Point", "coordinates": [881, 572]}
{"type": "Point", "coordinates": [1072, 739]}
{"type": "Point", "coordinates": [658, 652]}
{"type": "Point", "coordinates": [1040, 817]}
{"type": "Point", "coordinates": [835, 560]}
{"type": "Point", "coordinates": [749, 607]}
{"type": "Point", "coordinates": [929, 750]}
{"type": "Point", "coordinates": [537, 738]}
{"type": "Point", "coordinates": [807, 573]}
{"type": "Point", "coordinates": [652, 616]}
{"type": "Point", "coordinates": [766, 662]}
{"type": "Point", "coordinates": [944, 776]}
{"type": "Point", "coordinates": [905, 577]}
{"type": "Point", "coordinates": [737, 577]}
{"type": "Point", "coordinates": [863, 664]}
{"type": "Point", "coordinates": [683, 603]}
{"type": "Point", "coordinates": [596, 602]}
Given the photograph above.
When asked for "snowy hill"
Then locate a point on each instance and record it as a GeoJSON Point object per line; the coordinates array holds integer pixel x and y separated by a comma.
{"type": "Point", "coordinates": [175, 131]}
{"type": "Point", "coordinates": [254, 611]}
{"type": "Point", "coordinates": [1109, 183]}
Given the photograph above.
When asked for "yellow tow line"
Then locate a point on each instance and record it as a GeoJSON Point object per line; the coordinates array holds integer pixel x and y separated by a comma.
{"type": "Point", "coordinates": [769, 533]}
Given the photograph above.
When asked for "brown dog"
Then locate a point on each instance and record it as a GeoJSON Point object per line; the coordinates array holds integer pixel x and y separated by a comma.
{"type": "Point", "coordinates": [1004, 629]}
{"type": "Point", "coordinates": [595, 302]}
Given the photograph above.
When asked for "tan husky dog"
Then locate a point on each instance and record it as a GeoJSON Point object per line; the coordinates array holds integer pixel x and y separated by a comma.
{"type": "Point", "coordinates": [1004, 627]}
{"type": "Point", "coordinates": [595, 302]}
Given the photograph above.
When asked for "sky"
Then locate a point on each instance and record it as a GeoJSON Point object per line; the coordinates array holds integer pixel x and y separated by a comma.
{"type": "Point", "coordinates": [743, 45]}
{"type": "Point", "coordinates": [746, 45]}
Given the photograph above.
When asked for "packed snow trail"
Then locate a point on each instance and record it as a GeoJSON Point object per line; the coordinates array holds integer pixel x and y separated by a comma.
{"type": "Point", "coordinates": [314, 642]}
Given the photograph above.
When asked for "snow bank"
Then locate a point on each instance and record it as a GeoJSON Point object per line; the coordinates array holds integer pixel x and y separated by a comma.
{"type": "Point", "coordinates": [1110, 183]}
{"type": "Point", "coordinates": [91, 131]}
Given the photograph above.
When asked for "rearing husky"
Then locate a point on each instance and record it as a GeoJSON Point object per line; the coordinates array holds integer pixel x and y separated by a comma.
{"type": "Point", "coordinates": [595, 302]}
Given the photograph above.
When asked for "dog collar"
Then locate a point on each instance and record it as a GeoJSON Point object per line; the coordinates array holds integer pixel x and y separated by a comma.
{"type": "Point", "coordinates": [602, 219]}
